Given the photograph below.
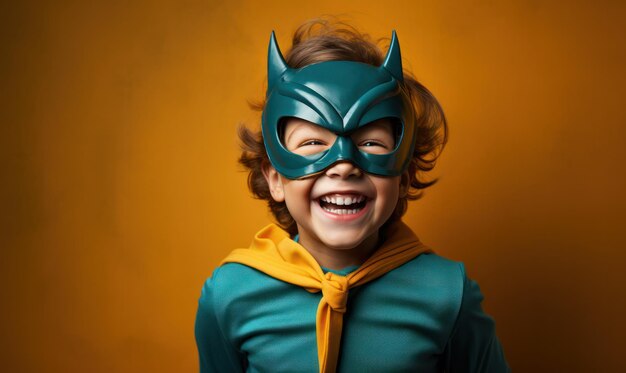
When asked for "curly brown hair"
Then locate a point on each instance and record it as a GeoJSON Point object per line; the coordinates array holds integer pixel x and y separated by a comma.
{"type": "Point", "coordinates": [323, 40]}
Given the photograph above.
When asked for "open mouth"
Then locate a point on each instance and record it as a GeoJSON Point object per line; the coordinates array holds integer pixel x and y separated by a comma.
{"type": "Point", "coordinates": [342, 204]}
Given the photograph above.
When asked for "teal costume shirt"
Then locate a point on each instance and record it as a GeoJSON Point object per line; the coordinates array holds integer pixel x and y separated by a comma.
{"type": "Point", "coordinates": [424, 316]}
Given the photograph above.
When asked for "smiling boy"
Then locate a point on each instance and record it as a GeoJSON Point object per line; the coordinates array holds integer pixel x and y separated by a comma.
{"type": "Point", "coordinates": [341, 284]}
{"type": "Point", "coordinates": [339, 211]}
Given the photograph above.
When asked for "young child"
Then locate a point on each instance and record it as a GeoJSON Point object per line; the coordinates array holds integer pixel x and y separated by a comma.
{"type": "Point", "coordinates": [341, 284]}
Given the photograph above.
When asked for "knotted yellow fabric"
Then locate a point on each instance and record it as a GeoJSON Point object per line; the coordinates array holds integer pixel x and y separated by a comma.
{"type": "Point", "coordinates": [276, 254]}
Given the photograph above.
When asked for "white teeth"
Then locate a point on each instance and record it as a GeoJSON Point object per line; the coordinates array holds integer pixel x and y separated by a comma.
{"type": "Point", "coordinates": [343, 201]}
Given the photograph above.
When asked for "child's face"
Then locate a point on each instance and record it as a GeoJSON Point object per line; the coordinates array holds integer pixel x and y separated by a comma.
{"type": "Point", "coordinates": [342, 207]}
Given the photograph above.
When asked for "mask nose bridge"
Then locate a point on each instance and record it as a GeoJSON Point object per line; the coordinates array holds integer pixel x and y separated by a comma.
{"type": "Point", "coordinates": [344, 149]}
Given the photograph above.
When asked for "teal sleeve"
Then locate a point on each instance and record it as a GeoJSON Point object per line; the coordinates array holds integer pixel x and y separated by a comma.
{"type": "Point", "coordinates": [473, 345]}
{"type": "Point", "coordinates": [215, 351]}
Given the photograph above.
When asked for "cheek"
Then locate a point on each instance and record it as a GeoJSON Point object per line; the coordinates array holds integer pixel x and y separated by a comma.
{"type": "Point", "coordinates": [297, 196]}
{"type": "Point", "coordinates": [389, 193]}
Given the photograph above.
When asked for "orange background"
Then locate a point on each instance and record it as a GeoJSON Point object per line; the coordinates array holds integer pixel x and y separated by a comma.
{"type": "Point", "coordinates": [120, 188]}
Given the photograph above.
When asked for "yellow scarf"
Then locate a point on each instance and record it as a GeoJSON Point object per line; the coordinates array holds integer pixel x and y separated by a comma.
{"type": "Point", "coordinates": [276, 254]}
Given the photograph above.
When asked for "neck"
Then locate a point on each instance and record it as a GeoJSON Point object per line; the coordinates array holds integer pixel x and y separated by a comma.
{"type": "Point", "coordinates": [337, 258]}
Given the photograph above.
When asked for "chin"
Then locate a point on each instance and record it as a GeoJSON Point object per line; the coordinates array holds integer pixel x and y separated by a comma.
{"type": "Point", "coordinates": [342, 244]}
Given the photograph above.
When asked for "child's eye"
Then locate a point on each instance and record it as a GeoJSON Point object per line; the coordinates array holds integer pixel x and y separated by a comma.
{"type": "Point", "coordinates": [374, 147]}
{"type": "Point", "coordinates": [369, 143]}
{"type": "Point", "coordinates": [309, 147]}
{"type": "Point", "coordinates": [312, 142]}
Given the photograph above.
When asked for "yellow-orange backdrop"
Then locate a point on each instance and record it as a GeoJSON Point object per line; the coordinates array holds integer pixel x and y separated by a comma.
{"type": "Point", "coordinates": [121, 192]}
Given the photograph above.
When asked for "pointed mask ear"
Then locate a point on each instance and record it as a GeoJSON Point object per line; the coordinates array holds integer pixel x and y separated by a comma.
{"type": "Point", "coordinates": [276, 64]}
{"type": "Point", "coordinates": [274, 183]}
{"type": "Point", "coordinates": [393, 60]}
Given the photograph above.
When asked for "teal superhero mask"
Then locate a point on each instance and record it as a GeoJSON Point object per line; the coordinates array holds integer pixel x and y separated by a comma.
{"type": "Point", "coordinates": [341, 96]}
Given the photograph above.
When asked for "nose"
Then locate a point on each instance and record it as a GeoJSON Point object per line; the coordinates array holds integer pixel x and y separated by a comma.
{"type": "Point", "coordinates": [343, 170]}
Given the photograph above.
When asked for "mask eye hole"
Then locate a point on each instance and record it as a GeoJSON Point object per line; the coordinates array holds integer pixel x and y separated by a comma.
{"type": "Point", "coordinates": [377, 137]}
{"type": "Point", "coordinates": [302, 137]}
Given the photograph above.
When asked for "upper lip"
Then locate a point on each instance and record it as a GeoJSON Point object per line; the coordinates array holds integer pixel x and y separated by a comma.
{"type": "Point", "coordinates": [341, 193]}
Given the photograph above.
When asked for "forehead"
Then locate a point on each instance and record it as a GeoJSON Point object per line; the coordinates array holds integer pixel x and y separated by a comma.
{"type": "Point", "coordinates": [295, 122]}
{"type": "Point", "coordinates": [341, 83]}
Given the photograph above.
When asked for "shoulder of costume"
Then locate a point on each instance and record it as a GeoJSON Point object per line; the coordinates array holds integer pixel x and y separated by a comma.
{"type": "Point", "coordinates": [231, 275]}
{"type": "Point", "coordinates": [437, 262]}
{"type": "Point", "coordinates": [438, 268]}
{"type": "Point", "coordinates": [231, 282]}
